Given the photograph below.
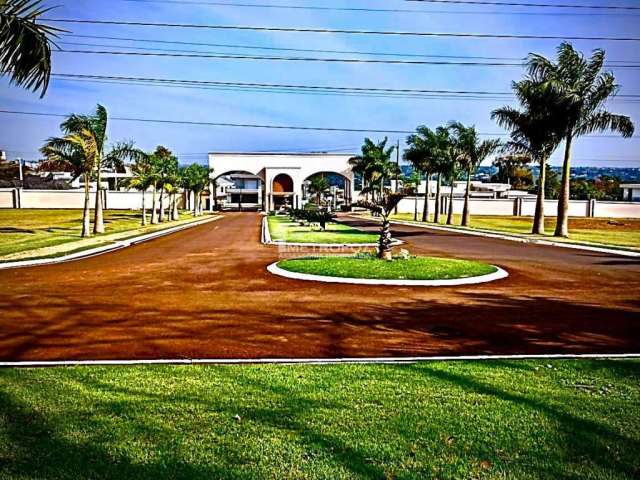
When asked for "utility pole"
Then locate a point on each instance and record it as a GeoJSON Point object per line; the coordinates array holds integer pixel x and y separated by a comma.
{"type": "Point", "coordinates": [395, 210]}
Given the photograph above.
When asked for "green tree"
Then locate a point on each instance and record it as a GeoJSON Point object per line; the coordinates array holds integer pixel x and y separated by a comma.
{"type": "Point", "coordinates": [582, 90]}
{"type": "Point", "coordinates": [411, 186]}
{"type": "Point", "coordinates": [112, 158]}
{"type": "Point", "coordinates": [535, 133]}
{"type": "Point", "coordinates": [141, 179]}
{"type": "Point", "coordinates": [318, 186]}
{"type": "Point", "coordinates": [423, 154]}
{"type": "Point", "coordinates": [195, 179]}
{"type": "Point", "coordinates": [76, 152]}
{"type": "Point", "coordinates": [472, 152]}
{"type": "Point", "coordinates": [25, 44]}
{"type": "Point", "coordinates": [511, 170]}
{"type": "Point", "coordinates": [375, 166]}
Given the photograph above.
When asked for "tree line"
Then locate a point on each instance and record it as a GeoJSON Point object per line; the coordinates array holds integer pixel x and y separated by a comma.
{"type": "Point", "coordinates": [82, 150]}
{"type": "Point", "coordinates": [558, 103]}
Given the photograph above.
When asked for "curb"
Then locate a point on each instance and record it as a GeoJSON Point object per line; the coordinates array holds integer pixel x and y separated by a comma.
{"type": "Point", "coordinates": [514, 238]}
{"type": "Point", "coordinates": [317, 361]}
{"type": "Point", "coordinates": [117, 245]}
{"type": "Point", "coordinates": [497, 275]}
{"type": "Point", "coordinates": [266, 239]}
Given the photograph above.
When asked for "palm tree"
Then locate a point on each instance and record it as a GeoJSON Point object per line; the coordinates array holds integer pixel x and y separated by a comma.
{"type": "Point", "coordinates": [535, 133]}
{"type": "Point", "coordinates": [412, 182]}
{"type": "Point", "coordinates": [77, 152]}
{"type": "Point", "coordinates": [581, 90]}
{"type": "Point", "coordinates": [422, 154]}
{"type": "Point", "coordinates": [318, 186]}
{"type": "Point", "coordinates": [196, 179]}
{"type": "Point", "coordinates": [172, 187]}
{"type": "Point", "coordinates": [165, 163]}
{"type": "Point", "coordinates": [140, 179]}
{"type": "Point", "coordinates": [97, 124]}
{"type": "Point", "coordinates": [473, 152]}
{"type": "Point", "coordinates": [25, 44]}
{"type": "Point", "coordinates": [374, 165]}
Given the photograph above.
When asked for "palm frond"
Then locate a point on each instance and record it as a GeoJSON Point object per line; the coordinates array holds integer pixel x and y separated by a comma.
{"type": "Point", "coordinates": [25, 44]}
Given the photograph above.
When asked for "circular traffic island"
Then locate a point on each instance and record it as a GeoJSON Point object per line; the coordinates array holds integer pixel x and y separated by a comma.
{"type": "Point", "coordinates": [366, 269]}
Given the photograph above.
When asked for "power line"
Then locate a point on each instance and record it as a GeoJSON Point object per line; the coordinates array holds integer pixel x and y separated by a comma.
{"type": "Point", "coordinates": [529, 4]}
{"type": "Point", "coordinates": [611, 63]}
{"type": "Point", "coordinates": [343, 31]}
{"type": "Point", "coordinates": [364, 9]}
{"type": "Point", "coordinates": [224, 56]}
{"type": "Point", "coordinates": [253, 125]}
{"type": "Point", "coordinates": [307, 59]}
{"type": "Point", "coordinates": [303, 89]}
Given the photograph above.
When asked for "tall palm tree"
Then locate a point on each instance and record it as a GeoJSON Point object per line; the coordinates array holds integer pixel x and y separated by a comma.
{"type": "Point", "coordinates": [165, 163]}
{"type": "Point", "coordinates": [77, 152]}
{"type": "Point", "coordinates": [374, 165]}
{"type": "Point", "coordinates": [318, 186]}
{"type": "Point", "coordinates": [582, 90]}
{"type": "Point", "coordinates": [196, 179]}
{"type": "Point", "coordinates": [140, 179]}
{"type": "Point", "coordinates": [422, 154]}
{"type": "Point", "coordinates": [25, 44]}
{"type": "Point", "coordinates": [535, 133]}
{"type": "Point", "coordinates": [473, 152]}
{"type": "Point", "coordinates": [97, 124]}
{"type": "Point", "coordinates": [411, 185]}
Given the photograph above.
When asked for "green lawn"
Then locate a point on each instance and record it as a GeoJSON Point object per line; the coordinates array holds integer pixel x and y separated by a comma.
{"type": "Point", "coordinates": [23, 230]}
{"type": "Point", "coordinates": [284, 229]}
{"type": "Point", "coordinates": [446, 420]}
{"type": "Point", "coordinates": [368, 266]}
{"type": "Point", "coordinates": [614, 232]}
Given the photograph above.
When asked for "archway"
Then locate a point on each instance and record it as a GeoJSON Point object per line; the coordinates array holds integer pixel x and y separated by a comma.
{"type": "Point", "coordinates": [339, 192]}
{"type": "Point", "coordinates": [239, 190]}
{"type": "Point", "coordinates": [282, 183]}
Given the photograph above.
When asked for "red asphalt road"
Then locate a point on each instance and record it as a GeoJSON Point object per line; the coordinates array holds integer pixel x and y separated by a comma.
{"type": "Point", "coordinates": [205, 293]}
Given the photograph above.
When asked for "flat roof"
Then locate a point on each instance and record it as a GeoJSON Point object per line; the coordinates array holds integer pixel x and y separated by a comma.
{"type": "Point", "coordinates": [630, 185]}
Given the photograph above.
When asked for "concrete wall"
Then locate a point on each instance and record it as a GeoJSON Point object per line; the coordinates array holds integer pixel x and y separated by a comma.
{"type": "Point", "coordinates": [487, 207]}
{"type": "Point", "coordinates": [9, 198]}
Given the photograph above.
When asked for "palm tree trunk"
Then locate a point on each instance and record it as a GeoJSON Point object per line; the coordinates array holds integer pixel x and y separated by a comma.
{"type": "Point", "coordinates": [86, 221]}
{"type": "Point", "coordinates": [144, 208]}
{"type": "Point", "coordinates": [384, 243]}
{"type": "Point", "coordinates": [538, 219]}
{"type": "Point", "coordinates": [154, 212]}
{"type": "Point", "coordinates": [466, 216]}
{"type": "Point", "coordinates": [98, 220]}
{"type": "Point", "coordinates": [425, 207]}
{"type": "Point", "coordinates": [450, 214]}
{"type": "Point", "coordinates": [562, 223]}
{"type": "Point", "coordinates": [195, 203]}
{"type": "Point", "coordinates": [175, 215]}
{"type": "Point", "coordinates": [415, 207]}
{"type": "Point", "coordinates": [161, 206]}
{"type": "Point", "coordinates": [436, 214]}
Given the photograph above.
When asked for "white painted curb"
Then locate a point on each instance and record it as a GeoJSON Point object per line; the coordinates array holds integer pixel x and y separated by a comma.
{"type": "Point", "coordinates": [497, 275]}
{"type": "Point", "coordinates": [266, 239]}
{"type": "Point", "coordinates": [318, 361]}
{"type": "Point", "coordinates": [515, 238]}
{"type": "Point", "coordinates": [117, 245]}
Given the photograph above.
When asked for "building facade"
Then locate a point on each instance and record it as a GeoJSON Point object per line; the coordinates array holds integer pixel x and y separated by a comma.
{"type": "Point", "coordinates": [271, 181]}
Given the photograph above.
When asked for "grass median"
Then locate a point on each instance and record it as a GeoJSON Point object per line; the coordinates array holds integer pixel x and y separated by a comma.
{"type": "Point", "coordinates": [282, 228]}
{"type": "Point", "coordinates": [44, 233]}
{"type": "Point", "coordinates": [367, 266]}
{"type": "Point", "coordinates": [447, 420]}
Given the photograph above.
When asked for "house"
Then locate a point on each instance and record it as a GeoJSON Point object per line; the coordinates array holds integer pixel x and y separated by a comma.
{"type": "Point", "coordinates": [270, 181]}
{"type": "Point", "coordinates": [630, 192]}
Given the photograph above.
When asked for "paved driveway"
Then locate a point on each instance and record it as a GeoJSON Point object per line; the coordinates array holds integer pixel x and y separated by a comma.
{"type": "Point", "coordinates": [205, 293]}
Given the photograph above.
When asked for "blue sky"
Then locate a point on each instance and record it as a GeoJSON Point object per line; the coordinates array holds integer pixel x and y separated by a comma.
{"type": "Point", "coordinates": [22, 136]}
